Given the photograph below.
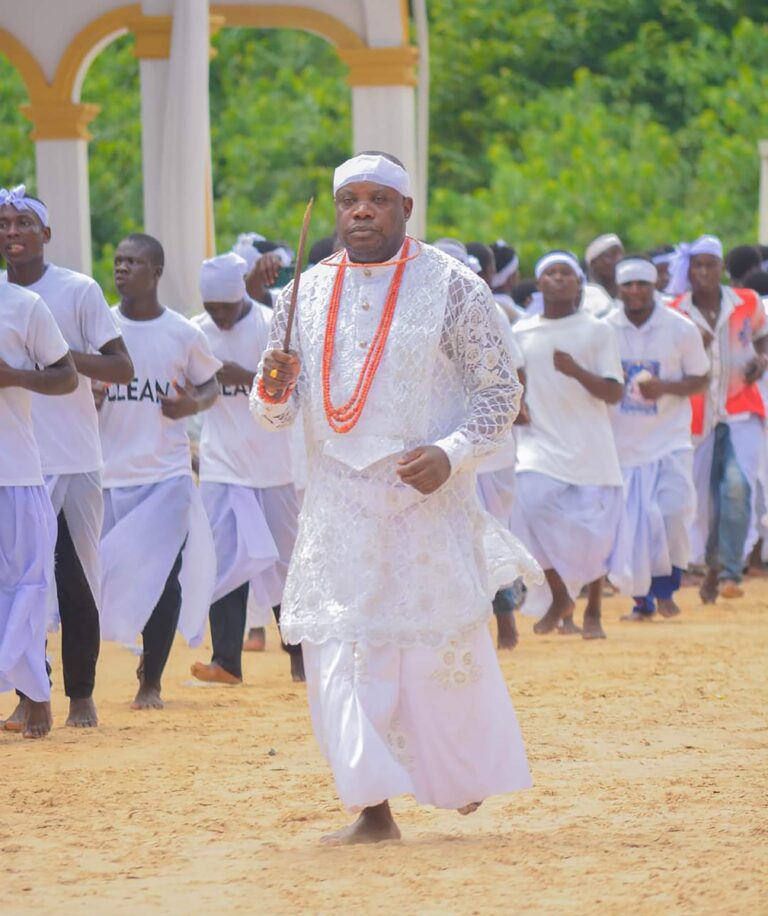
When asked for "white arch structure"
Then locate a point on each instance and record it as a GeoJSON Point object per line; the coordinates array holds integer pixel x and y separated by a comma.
{"type": "Point", "coordinates": [52, 44]}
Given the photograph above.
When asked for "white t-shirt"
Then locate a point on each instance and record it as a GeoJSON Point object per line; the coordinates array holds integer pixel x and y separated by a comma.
{"type": "Point", "coordinates": [597, 301]}
{"type": "Point", "coordinates": [234, 448]}
{"type": "Point", "coordinates": [67, 428]}
{"type": "Point", "coordinates": [140, 444]}
{"type": "Point", "coordinates": [569, 436]}
{"type": "Point", "coordinates": [29, 338]}
{"type": "Point", "coordinates": [668, 346]}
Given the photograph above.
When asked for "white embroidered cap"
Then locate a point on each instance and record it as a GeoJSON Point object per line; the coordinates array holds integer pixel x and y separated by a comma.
{"type": "Point", "coordinates": [378, 169]}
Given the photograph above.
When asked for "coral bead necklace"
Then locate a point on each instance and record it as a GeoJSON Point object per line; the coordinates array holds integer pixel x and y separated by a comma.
{"type": "Point", "coordinates": [344, 418]}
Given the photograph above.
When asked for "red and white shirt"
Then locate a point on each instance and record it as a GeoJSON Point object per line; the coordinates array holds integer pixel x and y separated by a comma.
{"type": "Point", "coordinates": [741, 322]}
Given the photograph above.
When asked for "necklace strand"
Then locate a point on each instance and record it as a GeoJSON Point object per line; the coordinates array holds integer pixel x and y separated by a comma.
{"type": "Point", "coordinates": [342, 419]}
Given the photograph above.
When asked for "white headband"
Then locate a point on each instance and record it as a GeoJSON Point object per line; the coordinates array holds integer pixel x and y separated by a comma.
{"type": "Point", "coordinates": [664, 258]}
{"type": "Point", "coordinates": [681, 264]}
{"type": "Point", "coordinates": [222, 279]}
{"type": "Point", "coordinates": [501, 277]}
{"type": "Point", "coordinates": [600, 245]}
{"type": "Point", "coordinates": [558, 257]}
{"type": "Point", "coordinates": [372, 168]}
{"type": "Point", "coordinates": [17, 198]}
{"type": "Point", "coordinates": [456, 249]}
{"type": "Point", "coordinates": [636, 269]}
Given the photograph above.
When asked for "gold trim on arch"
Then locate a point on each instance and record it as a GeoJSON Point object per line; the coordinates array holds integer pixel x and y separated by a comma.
{"type": "Point", "coordinates": [77, 51]}
{"type": "Point", "coordinates": [381, 66]}
{"type": "Point", "coordinates": [59, 120]}
{"type": "Point", "coordinates": [276, 16]}
{"type": "Point", "coordinates": [24, 61]}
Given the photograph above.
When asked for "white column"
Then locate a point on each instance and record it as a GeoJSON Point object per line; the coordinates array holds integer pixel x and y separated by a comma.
{"type": "Point", "coordinates": [154, 85]}
{"type": "Point", "coordinates": [179, 207]}
{"type": "Point", "coordinates": [62, 182]}
{"type": "Point", "coordinates": [763, 206]}
{"type": "Point", "coordinates": [384, 118]}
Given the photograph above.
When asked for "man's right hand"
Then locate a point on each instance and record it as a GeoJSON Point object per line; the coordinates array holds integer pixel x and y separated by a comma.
{"type": "Point", "coordinates": [280, 371]}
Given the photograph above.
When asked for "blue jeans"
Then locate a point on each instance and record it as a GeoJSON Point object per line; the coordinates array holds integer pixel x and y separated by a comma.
{"type": "Point", "coordinates": [730, 507]}
{"type": "Point", "coordinates": [661, 587]}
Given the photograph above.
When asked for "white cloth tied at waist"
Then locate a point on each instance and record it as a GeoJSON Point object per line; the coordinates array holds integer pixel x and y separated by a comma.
{"type": "Point", "coordinates": [27, 542]}
{"type": "Point", "coordinates": [145, 527]}
{"type": "Point", "coordinates": [659, 502]}
{"type": "Point", "coordinates": [245, 549]}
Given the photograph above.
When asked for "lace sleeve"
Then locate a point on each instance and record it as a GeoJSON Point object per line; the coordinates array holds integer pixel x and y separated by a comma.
{"type": "Point", "coordinates": [271, 415]}
{"type": "Point", "coordinates": [472, 339]}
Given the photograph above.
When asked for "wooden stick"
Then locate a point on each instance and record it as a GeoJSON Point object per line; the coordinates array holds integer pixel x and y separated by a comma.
{"type": "Point", "coordinates": [297, 275]}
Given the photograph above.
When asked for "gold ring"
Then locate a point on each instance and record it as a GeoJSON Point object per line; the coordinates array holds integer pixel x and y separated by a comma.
{"type": "Point", "coordinates": [273, 373]}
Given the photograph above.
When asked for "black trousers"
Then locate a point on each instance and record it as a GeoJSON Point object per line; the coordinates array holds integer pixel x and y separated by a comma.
{"type": "Point", "coordinates": [80, 631]}
{"type": "Point", "coordinates": [227, 616]}
{"type": "Point", "coordinates": [160, 629]}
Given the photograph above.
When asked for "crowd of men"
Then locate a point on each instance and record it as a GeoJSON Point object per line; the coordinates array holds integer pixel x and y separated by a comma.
{"type": "Point", "coordinates": [638, 456]}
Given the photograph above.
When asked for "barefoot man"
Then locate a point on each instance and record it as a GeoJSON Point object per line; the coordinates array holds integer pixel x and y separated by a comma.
{"type": "Point", "coordinates": [67, 433]}
{"type": "Point", "coordinates": [154, 521]}
{"type": "Point", "coordinates": [245, 474]}
{"type": "Point", "coordinates": [664, 364]}
{"type": "Point", "coordinates": [404, 381]}
{"type": "Point", "coordinates": [569, 492]}
{"type": "Point", "coordinates": [33, 357]}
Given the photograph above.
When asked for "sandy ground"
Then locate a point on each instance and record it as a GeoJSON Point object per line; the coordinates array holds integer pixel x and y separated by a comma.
{"type": "Point", "coordinates": [648, 752]}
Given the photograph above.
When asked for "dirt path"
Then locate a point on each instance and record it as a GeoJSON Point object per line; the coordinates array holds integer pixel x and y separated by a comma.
{"type": "Point", "coordinates": [648, 752]}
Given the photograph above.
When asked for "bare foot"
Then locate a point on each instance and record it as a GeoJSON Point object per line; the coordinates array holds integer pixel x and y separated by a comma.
{"type": "Point", "coordinates": [709, 587]}
{"type": "Point", "coordinates": [38, 719]}
{"type": "Point", "coordinates": [470, 808]}
{"type": "Point", "coordinates": [15, 722]}
{"type": "Point", "coordinates": [731, 589]}
{"type": "Point", "coordinates": [297, 668]}
{"type": "Point", "coordinates": [214, 673]}
{"type": "Point", "coordinates": [82, 713]}
{"type": "Point", "coordinates": [592, 627]}
{"type": "Point", "coordinates": [375, 825]}
{"type": "Point", "coordinates": [667, 607]}
{"type": "Point", "coordinates": [567, 627]}
{"type": "Point", "coordinates": [148, 697]}
{"type": "Point", "coordinates": [552, 618]}
{"type": "Point", "coordinates": [256, 641]}
{"type": "Point", "coordinates": [506, 630]}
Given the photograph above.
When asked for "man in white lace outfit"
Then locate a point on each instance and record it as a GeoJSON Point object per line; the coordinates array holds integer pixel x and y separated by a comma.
{"type": "Point", "coordinates": [404, 382]}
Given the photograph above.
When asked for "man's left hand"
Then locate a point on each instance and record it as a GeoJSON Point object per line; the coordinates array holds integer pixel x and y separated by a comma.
{"type": "Point", "coordinates": [755, 368]}
{"type": "Point", "coordinates": [425, 468]}
{"type": "Point", "coordinates": [183, 405]}
{"type": "Point", "coordinates": [652, 389]}
{"type": "Point", "coordinates": [565, 363]}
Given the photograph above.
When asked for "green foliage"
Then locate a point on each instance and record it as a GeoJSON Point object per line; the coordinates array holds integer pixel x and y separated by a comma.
{"type": "Point", "coordinates": [551, 121]}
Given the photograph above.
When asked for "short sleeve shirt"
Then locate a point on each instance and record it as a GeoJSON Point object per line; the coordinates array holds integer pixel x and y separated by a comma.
{"type": "Point", "coordinates": [569, 436]}
{"type": "Point", "coordinates": [668, 346]}
{"type": "Point", "coordinates": [29, 339]}
{"type": "Point", "coordinates": [139, 443]}
{"type": "Point", "coordinates": [67, 428]}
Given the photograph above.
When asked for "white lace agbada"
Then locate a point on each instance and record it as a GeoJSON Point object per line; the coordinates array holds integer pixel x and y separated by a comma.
{"type": "Point", "coordinates": [375, 560]}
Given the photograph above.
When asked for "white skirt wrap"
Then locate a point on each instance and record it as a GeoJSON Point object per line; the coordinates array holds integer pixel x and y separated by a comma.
{"type": "Point", "coordinates": [145, 527]}
{"type": "Point", "coordinates": [437, 724]}
{"type": "Point", "coordinates": [659, 503]}
{"type": "Point", "coordinates": [27, 588]}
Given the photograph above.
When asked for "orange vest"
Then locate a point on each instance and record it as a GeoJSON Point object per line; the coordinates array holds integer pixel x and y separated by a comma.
{"type": "Point", "coordinates": [741, 398]}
